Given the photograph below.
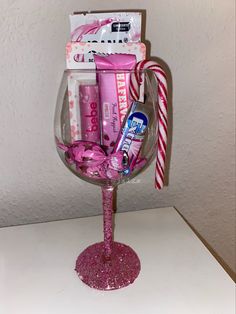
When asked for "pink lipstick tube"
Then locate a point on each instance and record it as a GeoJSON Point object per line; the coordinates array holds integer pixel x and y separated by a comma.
{"type": "Point", "coordinates": [90, 113]}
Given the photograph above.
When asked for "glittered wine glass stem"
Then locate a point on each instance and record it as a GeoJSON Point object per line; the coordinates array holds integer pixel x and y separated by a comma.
{"type": "Point", "coordinates": [107, 200]}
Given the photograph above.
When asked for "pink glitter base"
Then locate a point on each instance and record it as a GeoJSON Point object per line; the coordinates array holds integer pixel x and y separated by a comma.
{"type": "Point", "coordinates": [98, 273]}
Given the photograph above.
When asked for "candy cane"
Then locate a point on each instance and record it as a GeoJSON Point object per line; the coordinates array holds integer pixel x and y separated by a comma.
{"type": "Point", "coordinates": [135, 82]}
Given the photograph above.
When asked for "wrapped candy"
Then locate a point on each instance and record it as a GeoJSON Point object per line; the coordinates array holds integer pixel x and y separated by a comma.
{"type": "Point", "coordinates": [91, 159]}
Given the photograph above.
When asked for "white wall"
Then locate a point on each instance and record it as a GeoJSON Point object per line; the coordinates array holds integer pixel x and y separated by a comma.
{"type": "Point", "coordinates": [196, 40]}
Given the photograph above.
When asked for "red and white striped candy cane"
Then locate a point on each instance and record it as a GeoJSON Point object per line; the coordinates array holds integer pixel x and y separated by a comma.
{"type": "Point", "coordinates": [162, 117]}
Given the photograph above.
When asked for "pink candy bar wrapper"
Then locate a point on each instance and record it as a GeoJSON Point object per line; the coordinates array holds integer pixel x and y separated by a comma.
{"type": "Point", "coordinates": [114, 94]}
{"type": "Point", "coordinates": [89, 113]}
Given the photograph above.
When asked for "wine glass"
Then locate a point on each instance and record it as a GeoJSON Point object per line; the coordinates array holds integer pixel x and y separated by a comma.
{"type": "Point", "coordinates": [101, 157]}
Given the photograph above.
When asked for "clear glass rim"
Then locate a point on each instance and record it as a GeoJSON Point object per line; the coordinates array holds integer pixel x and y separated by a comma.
{"type": "Point", "coordinates": [71, 71]}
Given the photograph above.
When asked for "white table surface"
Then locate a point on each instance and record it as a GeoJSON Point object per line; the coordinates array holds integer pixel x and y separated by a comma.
{"type": "Point", "coordinates": [178, 273]}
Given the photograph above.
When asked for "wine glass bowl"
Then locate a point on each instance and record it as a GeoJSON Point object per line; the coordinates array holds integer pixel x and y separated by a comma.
{"type": "Point", "coordinates": [89, 169]}
{"type": "Point", "coordinates": [95, 158]}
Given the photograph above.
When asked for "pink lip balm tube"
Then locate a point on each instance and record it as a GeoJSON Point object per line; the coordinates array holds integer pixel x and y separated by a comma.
{"type": "Point", "coordinates": [89, 113]}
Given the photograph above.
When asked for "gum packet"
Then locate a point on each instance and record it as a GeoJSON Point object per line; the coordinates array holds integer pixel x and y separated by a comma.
{"type": "Point", "coordinates": [131, 136]}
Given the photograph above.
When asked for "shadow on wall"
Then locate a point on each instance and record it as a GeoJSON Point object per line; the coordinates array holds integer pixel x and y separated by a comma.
{"type": "Point", "coordinates": [41, 207]}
